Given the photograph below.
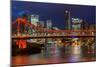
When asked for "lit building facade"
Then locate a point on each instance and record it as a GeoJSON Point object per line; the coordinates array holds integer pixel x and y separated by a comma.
{"type": "Point", "coordinates": [29, 18]}
{"type": "Point", "coordinates": [84, 25]}
{"type": "Point", "coordinates": [49, 24]}
{"type": "Point", "coordinates": [68, 23]}
{"type": "Point", "coordinates": [42, 23]}
{"type": "Point", "coordinates": [76, 23]}
{"type": "Point", "coordinates": [34, 19]}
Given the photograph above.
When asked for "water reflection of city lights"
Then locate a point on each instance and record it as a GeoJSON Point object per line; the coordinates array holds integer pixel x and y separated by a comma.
{"type": "Point", "coordinates": [76, 53]}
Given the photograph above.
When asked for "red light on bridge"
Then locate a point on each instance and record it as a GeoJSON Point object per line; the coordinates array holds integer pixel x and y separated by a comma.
{"type": "Point", "coordinates": [21, 43]}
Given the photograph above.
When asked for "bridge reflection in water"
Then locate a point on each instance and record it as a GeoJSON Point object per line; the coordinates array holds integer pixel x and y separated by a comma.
{"type": "Point", "coordinates": [58, 54]}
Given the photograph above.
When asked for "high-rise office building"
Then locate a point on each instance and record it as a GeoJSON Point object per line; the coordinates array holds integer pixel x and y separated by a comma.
{"type": "Point", "coordinates": [42, 23]}
{"type": "Point", "coordinates": [68, 23]}
{"type": "Point", "coordinates": [29, 18]}
{"type": "Point", "coordinates": [34, 19]}
{"type": "Point", "coordinates": [76, 23]}
{"type": "Point", "coordinates": [84, 25]}
{"type": "Point", "coordinates": [49, 24]}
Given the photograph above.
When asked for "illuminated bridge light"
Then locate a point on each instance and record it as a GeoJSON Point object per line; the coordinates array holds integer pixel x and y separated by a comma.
{"type": "Point", "coordinates": [40, 32]}
{"type": "Point", "coordinates": [21, 43]}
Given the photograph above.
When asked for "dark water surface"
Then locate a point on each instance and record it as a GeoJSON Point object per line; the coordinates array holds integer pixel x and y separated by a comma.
{"type": "Point", "coordinates": [54, 54]}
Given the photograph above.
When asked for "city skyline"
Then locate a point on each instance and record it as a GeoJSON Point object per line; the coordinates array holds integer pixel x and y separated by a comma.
{"type": "Point", "coordinates": [54, 12]}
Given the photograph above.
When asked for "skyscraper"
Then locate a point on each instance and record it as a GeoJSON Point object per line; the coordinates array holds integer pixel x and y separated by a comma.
{"type": "Point", "coordinates": [76, 23]}
{"type": "Point", "coordinates": [68, 24]}
{"type": "Point", "coordinates": [34, 19]}
{"type": "Point", "coordinates": [29, 18]}
{"type": "Point", "coordinates": [49, 24]}
{"type": "Point", "coordinates": [84, 25]}
{"type": "Point", "coordinates": [42, 23]}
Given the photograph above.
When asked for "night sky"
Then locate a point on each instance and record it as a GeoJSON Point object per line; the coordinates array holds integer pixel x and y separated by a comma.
{"type": "Point", "coordinates": [54, 11]}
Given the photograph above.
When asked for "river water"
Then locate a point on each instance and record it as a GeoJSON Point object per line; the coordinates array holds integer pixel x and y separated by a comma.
{"type": "Point", "coordinates": [54, 54]}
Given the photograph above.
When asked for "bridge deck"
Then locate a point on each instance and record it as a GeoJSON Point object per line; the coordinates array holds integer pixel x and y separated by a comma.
{"type": "Point", "coordinates": [31, 37]}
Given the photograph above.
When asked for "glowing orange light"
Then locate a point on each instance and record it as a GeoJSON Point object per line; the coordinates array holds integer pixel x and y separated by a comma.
{"type": "Point", "coordinates": [21, 43]}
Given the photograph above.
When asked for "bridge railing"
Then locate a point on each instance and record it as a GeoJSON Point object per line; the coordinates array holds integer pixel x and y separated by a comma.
{"type": "Point", "coordinates": [61, 33]}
